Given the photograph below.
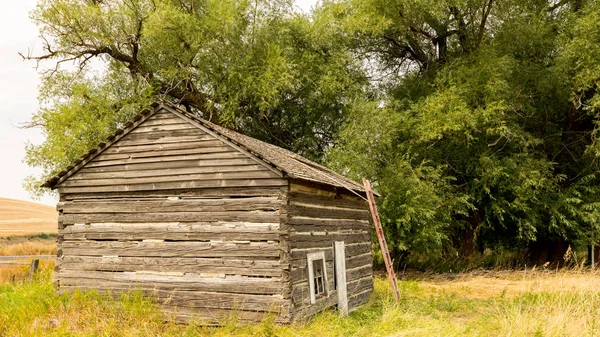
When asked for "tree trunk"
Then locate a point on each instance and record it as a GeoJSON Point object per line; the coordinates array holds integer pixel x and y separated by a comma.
{"type": "Point", "coordinates": [552, 251]}
{"type": "Point", "coordinates": [468, 240]}
{"type": "Point", "coordinates": [595, 256]}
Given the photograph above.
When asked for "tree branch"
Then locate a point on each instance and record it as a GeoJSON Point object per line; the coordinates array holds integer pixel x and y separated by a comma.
{"type": "Point", "coordinates": [485, 14]}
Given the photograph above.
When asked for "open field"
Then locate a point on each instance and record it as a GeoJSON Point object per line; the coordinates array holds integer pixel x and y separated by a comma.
{"type": "Point", "coordinates": [43, 244]}
{"type": "Point", "coordinates": [519, 303]}
{"type": "Point", "coordinates": [22, 217]}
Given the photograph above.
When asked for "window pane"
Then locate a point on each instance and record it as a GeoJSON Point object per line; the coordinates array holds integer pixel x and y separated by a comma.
{"type": "Point", "coordinates": [319, 278]}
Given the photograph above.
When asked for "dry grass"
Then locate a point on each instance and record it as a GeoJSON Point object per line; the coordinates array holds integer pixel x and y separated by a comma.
{"type": "Point", "coordinates": [489, 284]}
{"type": "Point", "coordinates": [28, 245]}
{"type": "Point", "coordinates": [22, 217]}
{"type": "Point", "coordinates": [39, 247]}
{"type": "Point", "coordinates": [10, 273]}
{"type": "Point", "coordinates": [519, 303]}
{"type": "Point", "coordinates": [17, 273]}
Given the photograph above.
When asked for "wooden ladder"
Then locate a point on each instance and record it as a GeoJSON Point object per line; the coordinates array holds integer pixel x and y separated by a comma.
{"type": "Point", "coordinates": [382, 243]}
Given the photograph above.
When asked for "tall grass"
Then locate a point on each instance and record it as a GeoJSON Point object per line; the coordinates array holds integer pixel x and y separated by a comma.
{"type": "Point", "coordinates": [41, 244]}
{"type": "Point", "coordinates": [522, 303]}
{"type": "Point", "coordinates": [29, 248]}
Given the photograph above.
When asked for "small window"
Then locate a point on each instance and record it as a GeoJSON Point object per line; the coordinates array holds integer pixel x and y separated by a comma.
{"type": "Point", "coordinates": [317, 276]}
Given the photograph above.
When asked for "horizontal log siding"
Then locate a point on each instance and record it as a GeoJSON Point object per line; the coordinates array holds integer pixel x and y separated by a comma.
{"type": "Point", "coordinates": [199, 254]}
{"type": "Point", "coordinates": [318, 216]}
{"type": "Point", "coordinates": [182, 216]}
{"type": "Point", "coordinates": [166, 152]}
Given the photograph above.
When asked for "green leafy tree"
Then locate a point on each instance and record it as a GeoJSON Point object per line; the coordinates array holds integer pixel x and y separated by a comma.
{"type": "Point", "coordinates": [477, 139]}
{"type": "Point", "coordinates": [257, 66]}
{"type": "Point", "coordinates": [476, 119]}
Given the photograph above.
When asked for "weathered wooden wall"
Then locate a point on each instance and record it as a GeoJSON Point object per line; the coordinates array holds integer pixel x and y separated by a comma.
{"type": "Point", "coordinates": [164, 153]}
{"type": "Point", "coordinates": [318, 216]}
{"type": "Point", "coordinates": [181, 215]}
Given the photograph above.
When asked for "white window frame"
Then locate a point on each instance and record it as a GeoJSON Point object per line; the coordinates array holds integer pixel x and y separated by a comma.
{"type": "Point", "coordinates": [311, 257]}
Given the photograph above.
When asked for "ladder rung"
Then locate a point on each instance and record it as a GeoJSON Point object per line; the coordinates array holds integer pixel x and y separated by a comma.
{"type": "Point", "coordinates": [380, 235]}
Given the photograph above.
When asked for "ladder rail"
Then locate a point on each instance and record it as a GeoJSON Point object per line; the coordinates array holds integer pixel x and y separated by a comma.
{"type": "Point", "coordinates": [381, 238]}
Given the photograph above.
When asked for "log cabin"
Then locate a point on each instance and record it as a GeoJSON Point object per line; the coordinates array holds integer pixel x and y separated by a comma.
{"type": "Point", "coordinates": [211, 223]}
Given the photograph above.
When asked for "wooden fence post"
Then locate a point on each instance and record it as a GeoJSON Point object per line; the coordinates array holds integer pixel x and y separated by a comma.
{"type": "Point", "coordinates": [33, 267]}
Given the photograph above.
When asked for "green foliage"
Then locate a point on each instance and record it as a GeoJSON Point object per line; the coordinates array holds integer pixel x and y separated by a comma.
{"type": "Point", "coordinates": [483, 135]}
{"type": "Point", "coordinates": [477, 120]}
{"type": "Point", "coordinates": [77, 114]}
{"type": "Point", "coordinates": [257, 66]}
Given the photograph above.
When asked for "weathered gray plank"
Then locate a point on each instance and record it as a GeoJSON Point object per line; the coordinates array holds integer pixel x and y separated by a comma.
{"type": "Point", "coordinates": [357, 300]}
{"type": "Point", "coordinates": [320, 224]}
{"type": "Point", "coordinates": [328, 237]}
{"type": "Point", "coordinates": [85, 174]}
{"type": "Point", "coordinates": [360, 285]}
{"type": "Point", "coordinates": [304, 310]}
{"type": "Point", "coordinates": [328, 212]}
{"type": "Point", "coordinates": [166, 205]}
{"type": "Point", "coordinates": [304, 198]}
{"type": "Point", "coordinates": [120, 148]}
{"type": "Point", "coordinates": [299, 255]}
{"type": "Point", "coordinates": [161, 153]}
{"type": "Point", "coordinates": [243, 191]}
{"type": "Point", "coordinates": [148, 282]}
{"type": "Point", "coordinates": [262, 174]}
{"type": "Point", "coordinates": [166, 139]}
{"type": "Point", "coordinates": [340, 275]}
{"type": "Point", "coordinates": [359, 272]}
{"type": "Point", "coordinates": [210, 300]}
{"type": "Point", "coordinates": [225, 302]}
{"type": "Point", "coordinates": [324, 241]}
{"type": "Point", "coordinates": [213, 317]}
{"type": "Point", "coordinates": [161, 134]}
{"type": "Point", "coordinates": [359, 261]}
{"type": "Point", "coordinates": [172, 232]}
{"type": "Point", "coordinates": [100, 161]}
{"type": "Point", "coordinates": [170, 249]}
{"type": "Point", "coordinates": [161, 127]}
{"type": "Point", "coordinates": [159, 124]}
{"type": "Point", "coordinates": [248, 216]}
{"type": "Point", "coordinates": [241, 302]}
{"type": "Point", "coordinates": [164, 115]}
{"type": "Point", "coordinates": [163, 120]}
{"type": "Point", "coordinates": [322, 190]}
{"type": "Point", "coordinates": [172, 164]}
{"type": "Point", "coordinates": [229, 266]}
{"type": "Point", "coordinates": [335, 227]}
{"type": "Point", "coordinates": [176, 185]}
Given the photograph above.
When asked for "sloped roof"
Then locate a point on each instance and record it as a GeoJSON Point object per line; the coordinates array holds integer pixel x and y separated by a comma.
{"type": "Point", "coordinates": [288, 162]}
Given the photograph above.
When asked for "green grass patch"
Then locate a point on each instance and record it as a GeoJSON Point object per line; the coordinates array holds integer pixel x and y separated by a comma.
{"type": "Point", "coordinates": [507, 304]}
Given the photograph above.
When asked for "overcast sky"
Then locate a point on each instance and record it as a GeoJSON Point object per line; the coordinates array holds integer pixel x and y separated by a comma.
{"type": "Point", "coordinates": [19, 83]}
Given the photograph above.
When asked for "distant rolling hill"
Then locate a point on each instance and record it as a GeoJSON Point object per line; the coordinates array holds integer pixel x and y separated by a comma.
{"type": "Point", "coordinates": [19, 217]}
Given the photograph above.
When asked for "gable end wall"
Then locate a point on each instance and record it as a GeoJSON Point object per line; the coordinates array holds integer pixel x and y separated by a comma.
{"type": "Point", "coordinates": [182, 216]}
